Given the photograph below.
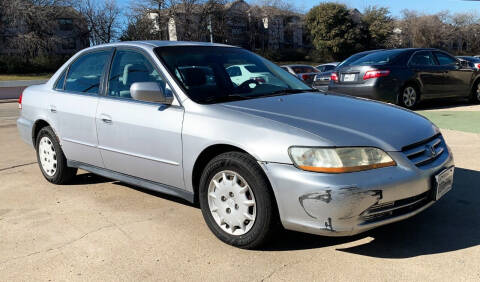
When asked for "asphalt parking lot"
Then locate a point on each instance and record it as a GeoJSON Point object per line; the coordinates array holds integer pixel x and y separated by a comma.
{"type": "Point", "coordinates": [99, 229]}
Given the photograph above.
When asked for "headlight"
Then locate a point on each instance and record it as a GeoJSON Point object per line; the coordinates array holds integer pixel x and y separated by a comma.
{"type": "Point", "coordinates": [339, 160]}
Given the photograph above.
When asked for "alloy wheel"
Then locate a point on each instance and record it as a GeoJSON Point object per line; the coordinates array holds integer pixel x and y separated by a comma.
{"type": "Point", "coordinates": [409, 96]}
{"type": "Point", "coordinates": [478, 93]}
{"type": "Point", "coordinates": [48, 156]}
{"type": "Point", "coordinates": [231, 202]}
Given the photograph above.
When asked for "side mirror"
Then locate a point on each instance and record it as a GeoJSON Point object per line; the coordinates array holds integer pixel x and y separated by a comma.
{"type": "Point", "coordinates": [149, 92]}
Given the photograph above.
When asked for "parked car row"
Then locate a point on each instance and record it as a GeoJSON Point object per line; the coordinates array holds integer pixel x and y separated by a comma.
{"type": "Point", "coordinates": [404, 76]}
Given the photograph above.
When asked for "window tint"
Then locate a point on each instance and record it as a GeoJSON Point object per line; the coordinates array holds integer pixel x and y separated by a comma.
{"type": "Point", "coordinates": [424, 58]}
{"type": "Point", "coordinates": [129, 67]}
{"type": "Point", "coordinates": [234, 71]}
{"type": "Point", "coordinates": [85, 73]}
{"type": "Point", "coordinates": [60, 82]}
{"type": "Point", "coordinates": [203, 72]}
{"type": "Point", "coordinates": [444, 59]}
{"type": "Point", "coordinates": [378, 58]}
{"type": "Point", "coordinates": [254, 69]}
{"type": "Point", "coordinates": [329, 68]}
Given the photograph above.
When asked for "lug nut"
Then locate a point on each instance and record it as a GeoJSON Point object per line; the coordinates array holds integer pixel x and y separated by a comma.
{"type": "Point", "coordinates": [231, 194]}
{"type": "Point", "coordinates": [236, 206]}
{"type": "Point", "coordinates": [229, 210]}
{"type": "Point", "coordinates": [223, 198]}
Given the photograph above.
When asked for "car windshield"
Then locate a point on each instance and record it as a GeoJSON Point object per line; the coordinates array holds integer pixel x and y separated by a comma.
{"type": "Point", "coordinates": [378, 58]}
{"type": "Point", "coordinates": [211, 74]}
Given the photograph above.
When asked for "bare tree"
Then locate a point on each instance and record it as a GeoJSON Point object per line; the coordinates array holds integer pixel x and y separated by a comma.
{"type": "Point", "coordinates": [103, 19]}
{"type": "Point", "coordinates": [32, 24]}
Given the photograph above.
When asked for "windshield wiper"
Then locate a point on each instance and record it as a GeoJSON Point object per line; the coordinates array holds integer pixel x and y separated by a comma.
{"type": "Point", "coordinates": [228, 98]}
{"type": "Point", "coordinates": [288, 91]}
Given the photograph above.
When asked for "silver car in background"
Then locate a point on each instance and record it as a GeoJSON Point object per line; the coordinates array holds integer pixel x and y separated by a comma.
{"type": "Point", "coordinates": [304, 72]}
{"type": "Point", "coordinates": [166, 116]}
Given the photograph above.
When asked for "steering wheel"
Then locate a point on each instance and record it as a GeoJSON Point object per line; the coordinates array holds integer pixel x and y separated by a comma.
{"type": "Point", "coordinates": [246, 84]}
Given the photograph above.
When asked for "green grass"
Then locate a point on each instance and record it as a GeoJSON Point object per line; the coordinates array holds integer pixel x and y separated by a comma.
{"type": "Point", "coordinates": [467, 121]}
{"type": "Point", "coordinates": [5, 77]}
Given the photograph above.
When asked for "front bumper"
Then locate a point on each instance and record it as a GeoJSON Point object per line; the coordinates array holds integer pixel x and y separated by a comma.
{"type": "Point", "coordinates": [338, 204]}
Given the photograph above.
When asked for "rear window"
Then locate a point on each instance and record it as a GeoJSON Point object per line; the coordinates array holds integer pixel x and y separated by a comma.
{"type": "Point", "coordinates": [304, 69]}
{"type": "Point", "coordinates": [378, 58]}
{"type": "Point", "coordinates": [254, 69]}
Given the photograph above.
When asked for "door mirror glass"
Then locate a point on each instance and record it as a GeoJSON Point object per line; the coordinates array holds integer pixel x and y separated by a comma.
{"type": "Point", "coordinates": [149, 92]}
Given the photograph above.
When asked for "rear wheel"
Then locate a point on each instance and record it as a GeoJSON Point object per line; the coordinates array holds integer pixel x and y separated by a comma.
{"type": "Point", "coordinates": [51, 159]}
{"type": "Point", "coordinates": [475, 95]}
{"type": "Point", "coordinates": [409, 97]}
{"type": "Point", "coordinates": [236, 201]}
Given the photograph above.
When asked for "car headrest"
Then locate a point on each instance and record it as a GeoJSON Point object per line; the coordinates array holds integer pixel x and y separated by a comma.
{"type": "Point", "coordinates": [194, 76]}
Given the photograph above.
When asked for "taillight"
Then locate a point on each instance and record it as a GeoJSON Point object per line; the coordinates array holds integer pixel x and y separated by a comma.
{"type": "Point", "coordinates": [334, 77]}
{"type": "Point", "coordinates": [20, 101]}
{"type": "Point", "coordinates": [305, 76]}
{"type": "Point", "coordinates": [259, 79]}
{"type": "Point", "coordinates": [478, 66]}
{"type": "Point", "coordinates": [375, 74]}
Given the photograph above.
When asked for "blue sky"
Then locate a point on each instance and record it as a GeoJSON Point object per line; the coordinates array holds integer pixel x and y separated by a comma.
{"type": "Point", "coordinates": [396, 6]}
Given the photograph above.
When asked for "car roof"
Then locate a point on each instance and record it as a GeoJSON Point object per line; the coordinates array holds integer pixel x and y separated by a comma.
{"type": "Point", "coordinates": [160, 43]}
{"type": "Point", "coordinates": [298, 66]}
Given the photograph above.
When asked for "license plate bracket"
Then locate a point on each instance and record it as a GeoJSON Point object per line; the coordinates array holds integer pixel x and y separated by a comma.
{"type": "Point", "coordinates": [349, 77]}
{"type": "Point", "coordinates": [443, 182]}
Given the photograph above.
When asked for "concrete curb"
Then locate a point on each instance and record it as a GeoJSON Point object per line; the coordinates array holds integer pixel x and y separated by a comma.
{"type": "Point", "coordinates": [21, 83]}
{"type": "Point", "coordinates": [4, 101]}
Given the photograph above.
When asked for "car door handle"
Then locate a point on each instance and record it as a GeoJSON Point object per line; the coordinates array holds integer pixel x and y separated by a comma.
{"type": "Point", "coordinates": [105, 119]}
{"type": "Point", "coordinates": [53, 108]}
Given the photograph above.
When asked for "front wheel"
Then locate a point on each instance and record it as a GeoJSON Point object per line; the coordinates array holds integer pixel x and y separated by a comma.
{"type": "Point", "coordinates": [475, 95]}
{"type": "Point", "coordinates": [409, 97]}
{"type": "Point", "coordinates": [236, 201]}
{"type": "Point", "coordinates": [51, 159]}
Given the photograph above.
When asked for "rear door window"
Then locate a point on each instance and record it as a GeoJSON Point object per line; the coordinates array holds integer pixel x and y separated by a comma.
{"type": "Point", "coordinates": [422, 58]}
{"type": "Point", "coordinates": [86, 72]}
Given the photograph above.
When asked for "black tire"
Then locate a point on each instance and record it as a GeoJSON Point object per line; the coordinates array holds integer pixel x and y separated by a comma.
{"type": "Point", "coordinates": [403, 101]}
{"type": "Point", "coordinates": [63, 173]}
{"type": "Point", "coordinates": [475, 95]}
{"type": "Point", "coordinates": [266, 221]}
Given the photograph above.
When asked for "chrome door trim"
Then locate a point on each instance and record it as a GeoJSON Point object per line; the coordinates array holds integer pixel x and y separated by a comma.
{"type": "Point", "coordinates": [79, 142]}
{"type": "Point", "coordinates": [139, 156]}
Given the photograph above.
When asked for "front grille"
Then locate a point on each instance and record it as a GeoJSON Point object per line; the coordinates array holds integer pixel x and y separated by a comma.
{"type": "Point", "coordinates": [397, 208]}
{"type": "Point", "coordinates": [425, 152]}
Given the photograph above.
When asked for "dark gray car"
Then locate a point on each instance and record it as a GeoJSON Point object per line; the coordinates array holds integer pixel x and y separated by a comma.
{"type": "Point", "coordinates": [407, 76]}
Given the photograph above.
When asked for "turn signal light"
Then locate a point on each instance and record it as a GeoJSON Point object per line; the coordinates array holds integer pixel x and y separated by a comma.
{"type": "Point", "coordinates": [375, 74]}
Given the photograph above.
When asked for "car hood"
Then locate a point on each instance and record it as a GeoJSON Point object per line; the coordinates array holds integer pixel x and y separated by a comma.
{"type": "Point", "coordinates": [342, 120]}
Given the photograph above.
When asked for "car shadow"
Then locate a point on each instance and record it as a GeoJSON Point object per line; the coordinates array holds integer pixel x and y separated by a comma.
{"type": "Point", "coordinates": [439, 104]}
{"type": "Point", "coordinates": [88, 178]}
{"type": "Point", "coordinates": [156, 194]}
{"type": "Point", "coordinates": [449, 225]}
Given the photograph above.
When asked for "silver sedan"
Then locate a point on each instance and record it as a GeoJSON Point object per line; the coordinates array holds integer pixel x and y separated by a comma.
{"type": "Point", "coordinates": [255, 156]}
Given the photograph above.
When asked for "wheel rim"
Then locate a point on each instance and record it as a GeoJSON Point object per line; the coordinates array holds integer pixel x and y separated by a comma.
{"type": "Point", "coordinates": [48, 156]}
{"type": "Point", "coordinates": [409, 96]}
{"type": "Point", "coordinates": [478, 93]}
{"type": "Point", "coordinates": [231, 202]}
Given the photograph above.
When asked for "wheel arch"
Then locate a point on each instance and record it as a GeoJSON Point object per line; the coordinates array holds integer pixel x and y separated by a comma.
{"type": "Point", "coordinates": [37, 126]}
{"type": "Point", "coordinates": [414, 82]}
{"type": "Point", "coordinates": [211, 152]}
